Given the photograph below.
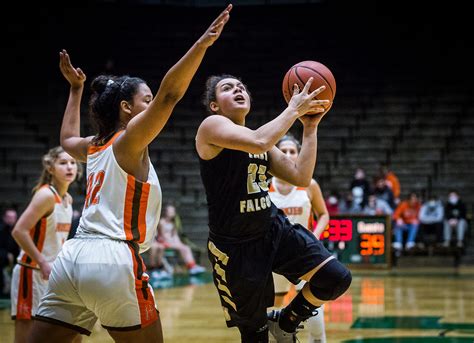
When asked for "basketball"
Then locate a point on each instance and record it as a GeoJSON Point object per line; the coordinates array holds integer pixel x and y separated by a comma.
{"type": "Point", "coordinates": [302, 71]}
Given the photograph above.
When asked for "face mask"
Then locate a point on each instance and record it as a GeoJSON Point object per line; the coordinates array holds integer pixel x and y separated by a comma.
{"type": "Point", "coordinates": [453, 199]}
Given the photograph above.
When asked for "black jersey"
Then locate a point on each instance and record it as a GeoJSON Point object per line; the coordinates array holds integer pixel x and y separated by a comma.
{"type": "Point", "coordinates": [237, 195]}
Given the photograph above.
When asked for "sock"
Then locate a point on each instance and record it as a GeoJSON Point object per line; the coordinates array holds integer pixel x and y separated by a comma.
{"type": "Point", "coordinates": [297, 311]}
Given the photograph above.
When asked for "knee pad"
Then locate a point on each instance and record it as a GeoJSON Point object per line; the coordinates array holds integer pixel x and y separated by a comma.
{"type": "Point", "coordinates": [331, 281]}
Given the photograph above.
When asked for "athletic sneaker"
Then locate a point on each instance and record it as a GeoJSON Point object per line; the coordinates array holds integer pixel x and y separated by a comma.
{"type": "Point", "coordinates": [276, 332]}
{"type": "Point", "coordinates": [161, 274]}
{"type": "Point", "coordinates": [197, 269]}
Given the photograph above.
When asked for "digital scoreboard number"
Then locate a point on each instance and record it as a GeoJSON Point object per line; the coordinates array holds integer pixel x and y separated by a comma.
{"type": "Point", "coordinates": [358, 240]}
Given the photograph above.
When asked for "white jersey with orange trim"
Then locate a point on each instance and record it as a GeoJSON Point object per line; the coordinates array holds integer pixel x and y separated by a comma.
{"type": "Point", "coordinates": [297, 207]}
{"type": "Point", "coordinates": [296, 204]}
{"type": "Point", "coordinates": [50, 232]}
{"type": "Point", "coordinates": [118, 206]}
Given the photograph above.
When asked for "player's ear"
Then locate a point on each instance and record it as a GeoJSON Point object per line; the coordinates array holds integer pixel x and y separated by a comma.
{"type": "Point", "coordinates": [126, 107]}
{"type": "Point", "coordinates": [214, 106]}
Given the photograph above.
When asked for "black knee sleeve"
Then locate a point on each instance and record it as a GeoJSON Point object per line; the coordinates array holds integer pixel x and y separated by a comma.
{"type": "Point", "coordinates": [331, 281]}
{"type": "Point", "coordinates": [252, 335]}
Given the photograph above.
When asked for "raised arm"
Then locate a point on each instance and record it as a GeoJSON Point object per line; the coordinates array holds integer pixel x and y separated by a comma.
{"type": "Point", "coordinates": [299, 173]}
{"type": "Point", "coordinates": [144, 127]}
{"type": "Point", "coordinates": [70, 136]}
{"type": "Point", "coordinates": [218, 132]}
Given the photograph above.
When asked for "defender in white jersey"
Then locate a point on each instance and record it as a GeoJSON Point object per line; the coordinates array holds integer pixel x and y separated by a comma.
{"type": "Point", "coordinates": [40, 232]}
{"type": "Point", "coordinates": [99, 274]}
{"type": "Point", "coordinates": [300, 206]}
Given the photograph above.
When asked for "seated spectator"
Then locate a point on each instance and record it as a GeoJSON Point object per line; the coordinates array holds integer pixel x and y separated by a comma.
{"type": "Point", "coordinates": [159, 269]}
{"type": "Point", "coordinates": [332, 203]}
{"type": "Point", "coordinates": [360, 188]}
{"type": "Point", "coordinates": [168, 236]}
{"type": "Point", "coordinates": [348, 205]}
{"type": "Point", "coordinates": [9, 249]}
{"type": "Point", "coordinates": [391, 180]}
{"type": "Point", "coordinates": [455, 219]}
{"type": "Point", "coordinates": [431, 220]}
{"type": "Point", "coordinates": [406, 219]}
{"type": "Point", "coordinates": [382, 191]}
{"type": "Point", "coordinates": [376, 207]}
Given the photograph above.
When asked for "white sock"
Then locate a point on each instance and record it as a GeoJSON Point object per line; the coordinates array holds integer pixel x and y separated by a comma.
{"type": "Point", "coordinates": [316, 327]}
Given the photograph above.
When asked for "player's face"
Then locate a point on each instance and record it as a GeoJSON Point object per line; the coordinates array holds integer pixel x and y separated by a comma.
{"type": "Point", "coordinates": [290, 149]}
{"type": "Point", "coordinates": [141, 99]}
{"type": "Point", "coordinates": [232, 97]}
{"type": "Point", "coordinates": [64, 168]}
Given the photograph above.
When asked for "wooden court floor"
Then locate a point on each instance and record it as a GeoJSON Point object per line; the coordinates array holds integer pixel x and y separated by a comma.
{"type": "Point", "coordinates": [381, 306]}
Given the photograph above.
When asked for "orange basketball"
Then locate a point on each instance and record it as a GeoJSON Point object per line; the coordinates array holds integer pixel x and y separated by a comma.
{"type": "Point", "coordinates": [301, 72]}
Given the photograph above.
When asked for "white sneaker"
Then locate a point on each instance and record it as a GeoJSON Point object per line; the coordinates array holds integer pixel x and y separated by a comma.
{"type": "Point", "coordinates": [277, 333]}
{"type": "Point", "coordinates": [397, 245]}
{"type": "Point", "coordinates": [409, 245]}
{"type": "Point", "coordinates": [160, 274]}
{"type": "Point", "coordinates": [197, 269]}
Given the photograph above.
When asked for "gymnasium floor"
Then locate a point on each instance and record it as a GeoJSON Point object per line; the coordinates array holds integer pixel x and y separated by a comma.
{"type": "Point", "coordinates": [411, 305]}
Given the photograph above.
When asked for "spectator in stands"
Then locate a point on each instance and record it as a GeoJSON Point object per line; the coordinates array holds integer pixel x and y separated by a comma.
{"type": "Point", "coordinates": [100, 273]}
{"type": "Point", "coordinates": [168, 236]}
{"type": "Point", "coordinates": [376, 207]}
{"type": "Point", "coordinates": [454, 219]}
{"type": "Point", "coordinates": [249, 237]}
{"type": "Point", "coordinates": [360, 188]}
{"type": "Point", "coordinates": [382, 191]}
{"type": "Point", "coordinates": [347, 205]}
{"type": "Point", "coordinates": [8, 248]}
{"type": "Point", "coordinates": [332, 203]}
{"type": "Point", "coordinates": [406, 219]}
{"type": "Point", "coordinates": [41, 231]}
{"type": "Point", "coordinates": [431, 220]}
{"type": "Point", "coordinates": [391, 180]}
{"type": "Point", "coordinates": [156, 260]}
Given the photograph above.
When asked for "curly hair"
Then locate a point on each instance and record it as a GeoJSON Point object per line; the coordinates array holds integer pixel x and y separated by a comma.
{"type": "Point", "coordinates": [104, 104]}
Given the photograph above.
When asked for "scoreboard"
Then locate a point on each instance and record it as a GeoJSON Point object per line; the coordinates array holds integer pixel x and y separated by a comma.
{"type": "Point", "coordinates": [359, 240]}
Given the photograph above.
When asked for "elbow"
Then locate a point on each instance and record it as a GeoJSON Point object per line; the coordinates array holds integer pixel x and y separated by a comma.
{"type": "Point", "coordinates": [260, 146]}
{"type": "Point", "coordinates": [305, 183]}
{"type": "Point", "coordinates": [15, 233]}
{"type": "Point", "coordinates": [302, 182]}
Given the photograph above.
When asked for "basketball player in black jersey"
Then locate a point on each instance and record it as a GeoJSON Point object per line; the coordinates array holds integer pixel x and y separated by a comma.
{"type": "Point", "coordinates": [249, 237]}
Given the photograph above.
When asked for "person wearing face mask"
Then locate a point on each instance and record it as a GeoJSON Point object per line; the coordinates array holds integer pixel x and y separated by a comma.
{"type": "Point", "coordinates": [360, 188]}
{"type": "Point", "coordinates": [332, 203]}
{"type": "Point", "coordinates": [431, 220]}
{"type": "Point", "coordinates": [455, 219]}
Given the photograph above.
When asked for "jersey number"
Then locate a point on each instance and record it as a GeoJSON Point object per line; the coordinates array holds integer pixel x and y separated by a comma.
{"type": "Point", "coordinates": [94, 184]}
{"type": "Point", "coordinates": [252, 185]}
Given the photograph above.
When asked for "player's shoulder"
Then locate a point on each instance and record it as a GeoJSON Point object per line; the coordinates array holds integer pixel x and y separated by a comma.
{"type": "Point", "coordinates": [214, 120]}
{"type": "Point", "coordinates": [45, 196]}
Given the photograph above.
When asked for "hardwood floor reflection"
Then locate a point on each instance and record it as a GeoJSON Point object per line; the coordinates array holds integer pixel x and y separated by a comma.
{"type": "Point", "coordinates": [384, 305]}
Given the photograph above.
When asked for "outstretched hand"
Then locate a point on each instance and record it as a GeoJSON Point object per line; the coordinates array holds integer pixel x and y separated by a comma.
{"type": "Point", "coordinates": [215, 30]}
{"type": "Point", "coordinates": [75, 76]}
{"type": "Point", "coordinates": [305, 103]}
